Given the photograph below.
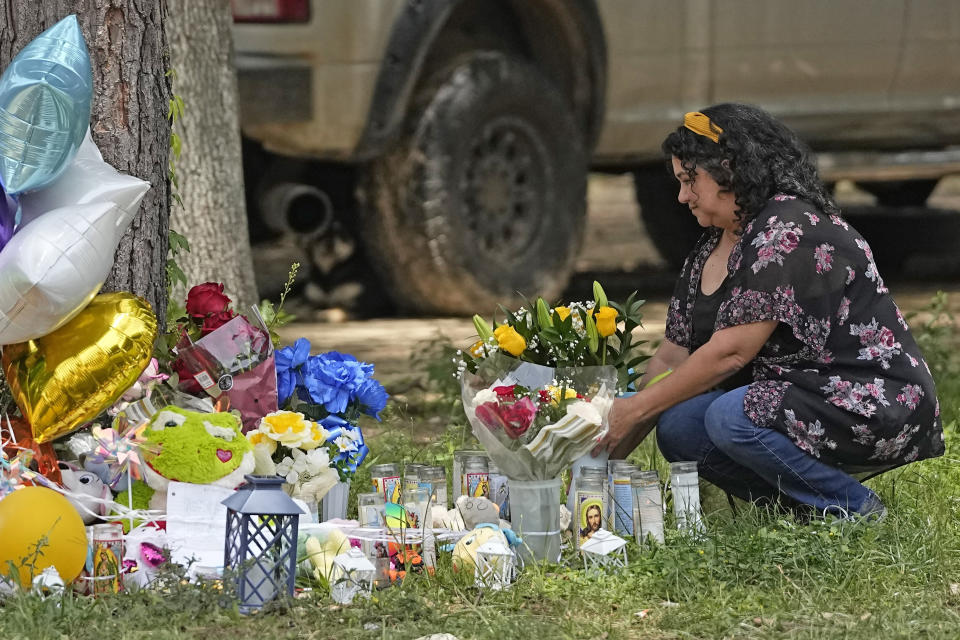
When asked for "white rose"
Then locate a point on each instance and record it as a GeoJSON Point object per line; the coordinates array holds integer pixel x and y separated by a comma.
{"type": "Point", "coordinates": [484, 395]}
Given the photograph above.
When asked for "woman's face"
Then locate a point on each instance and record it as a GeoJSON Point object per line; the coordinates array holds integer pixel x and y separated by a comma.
{"type": "Point", "coordinates": [708, 202]}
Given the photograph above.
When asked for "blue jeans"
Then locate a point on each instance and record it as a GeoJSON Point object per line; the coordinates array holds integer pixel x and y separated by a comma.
{"type": "Point", "coordinates": [753, 463]}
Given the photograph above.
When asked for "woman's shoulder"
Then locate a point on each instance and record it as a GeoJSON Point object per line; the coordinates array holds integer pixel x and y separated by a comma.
{"type": "Point", "coordinates": [786, 211]}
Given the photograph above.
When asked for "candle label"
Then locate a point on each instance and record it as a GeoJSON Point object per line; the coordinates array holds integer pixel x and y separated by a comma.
{"type": "Point", "coordinates": [500, 494]}
{"type": "Point", "coordinates": [476, 485]}
{"type": "Point", "coordinates": [622, 506]}
{"type": "Point", "coordinates": [589, 514]}
{"type": "Point", "coordinates": [389, 487]}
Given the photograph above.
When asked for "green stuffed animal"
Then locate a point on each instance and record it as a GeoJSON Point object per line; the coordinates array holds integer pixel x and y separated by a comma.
{"type": "Point", "coordinates": [201, 448]}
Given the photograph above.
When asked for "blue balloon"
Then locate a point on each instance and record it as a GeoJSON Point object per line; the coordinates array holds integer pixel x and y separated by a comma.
{"type": "Point", "coordinates": [45, 97]}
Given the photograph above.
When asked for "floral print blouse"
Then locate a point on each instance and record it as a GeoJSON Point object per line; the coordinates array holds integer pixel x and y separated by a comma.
{"type": "Point", "coordinates": [841, 374]}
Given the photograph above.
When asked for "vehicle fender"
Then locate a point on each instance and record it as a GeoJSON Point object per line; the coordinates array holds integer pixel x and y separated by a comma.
{"type": "Point", "coordinates": [417, 28]}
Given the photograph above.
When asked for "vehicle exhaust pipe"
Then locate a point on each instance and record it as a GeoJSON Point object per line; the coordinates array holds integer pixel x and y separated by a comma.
{"type": "Point", "coordinates": [301, 209]}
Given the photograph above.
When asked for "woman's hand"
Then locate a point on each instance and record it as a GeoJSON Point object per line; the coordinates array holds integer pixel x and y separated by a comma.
{"type": "Point", "coordinates": [627, 428]}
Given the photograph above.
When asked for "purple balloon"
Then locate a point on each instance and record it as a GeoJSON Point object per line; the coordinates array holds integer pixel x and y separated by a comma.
{"type": "Point", "coordinates": [8, 211]}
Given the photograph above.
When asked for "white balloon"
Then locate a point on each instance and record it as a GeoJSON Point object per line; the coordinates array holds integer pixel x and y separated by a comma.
{"type": "Point", "coordinates": [60, 256]}
{"type": "Point", "coordinates": [54, 266]}
{"type": "Point", "coordinates": [87, 180]}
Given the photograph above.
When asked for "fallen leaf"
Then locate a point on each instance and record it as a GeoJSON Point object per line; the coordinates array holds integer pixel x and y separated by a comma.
{"type": "Point", "coordinates": [866, 616]}
{"type": "Point", "coordinates": [955, 589]}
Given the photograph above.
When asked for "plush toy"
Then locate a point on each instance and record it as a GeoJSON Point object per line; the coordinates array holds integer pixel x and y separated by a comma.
{"type": "Point", "coordinates": [483, 518]}
{"type": "Point", "coordinates": [465, 552]}
{"type": "Point", "coordinates": [144, 552]}
{"type": "Point", "coordinates": [90, 496]}
{"type": "Point", "coordinates": [201, 448]}
{"type": "Point", "coordinates": [322, 546]}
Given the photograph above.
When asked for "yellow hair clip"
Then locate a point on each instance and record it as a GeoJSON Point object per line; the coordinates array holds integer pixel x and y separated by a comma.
{"type": "Point", "coordinates": [701, 125]}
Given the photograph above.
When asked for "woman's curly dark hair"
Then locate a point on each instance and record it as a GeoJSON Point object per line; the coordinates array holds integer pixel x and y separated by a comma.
{"type": "Point", "coordinates": [756, 158]}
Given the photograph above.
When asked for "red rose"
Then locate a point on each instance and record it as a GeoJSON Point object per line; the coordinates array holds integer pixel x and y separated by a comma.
{"type": "Point", "coordinates": [187, 382]}
{"type": "Point", "coordinates": [518, 417]}
{"type": "Point", "coordinates": [505, 391]}
{"type": "Point", "coordinates": [489, 415]}
{"type": "Point", "coordinates": [205, 299]}
{"type": "Point", "coordinates": [216, 320]}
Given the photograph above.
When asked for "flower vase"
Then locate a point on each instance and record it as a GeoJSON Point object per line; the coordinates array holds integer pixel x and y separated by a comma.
{"type": "Point", "coordinates": [535, 516]}
{"type": "Point", "coordinates": [334, 504]}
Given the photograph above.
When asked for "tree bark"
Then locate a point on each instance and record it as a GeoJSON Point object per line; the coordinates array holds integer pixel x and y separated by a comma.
{"type": "Point", "coordinates": [209, 171]}
{"type": "Point", "coordinates": [131, 94]}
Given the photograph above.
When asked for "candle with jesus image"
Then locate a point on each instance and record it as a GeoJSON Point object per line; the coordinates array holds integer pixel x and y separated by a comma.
{"type": "Point", "coordinates": [589, 502]}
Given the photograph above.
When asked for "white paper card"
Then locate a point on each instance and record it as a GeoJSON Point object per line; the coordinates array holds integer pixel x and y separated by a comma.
{"type": "Point", "coordinates": [196, 523]}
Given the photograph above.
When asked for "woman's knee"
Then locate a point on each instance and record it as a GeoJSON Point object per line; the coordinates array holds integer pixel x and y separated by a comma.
{"type": "Point", "coordinates": [725, 422]}
{"type": "Point", "coordinates": [680, 429]}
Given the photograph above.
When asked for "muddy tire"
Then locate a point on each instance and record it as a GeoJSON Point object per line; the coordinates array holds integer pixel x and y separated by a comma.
{"type": "Point", "coordinates": [669, 224]}
{"type": "Point", "coordinates": [484, 196]}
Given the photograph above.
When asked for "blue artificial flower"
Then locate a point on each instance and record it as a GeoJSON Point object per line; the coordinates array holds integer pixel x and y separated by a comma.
{"type": "Point", "coordinates": [333, 379]}
{"type": "Point", "coordinates": [288, 360]}
{"type": "Point", "coordinates": [372, 397]}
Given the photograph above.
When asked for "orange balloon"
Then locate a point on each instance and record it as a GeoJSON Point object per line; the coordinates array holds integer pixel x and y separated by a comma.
{"type": "Point", "coordinates": [39, 528]}
{"type": "Point", "coordinates": [66, 378]}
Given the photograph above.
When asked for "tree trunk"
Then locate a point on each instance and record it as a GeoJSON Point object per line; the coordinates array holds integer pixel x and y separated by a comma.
{"type": "Point", "coordinates": [131, 95]}
{"type": "Point", "coordinates": [209, 172]}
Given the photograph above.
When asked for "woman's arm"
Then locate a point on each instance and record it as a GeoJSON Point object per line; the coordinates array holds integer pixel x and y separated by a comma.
{"type": "Point", "coordinates": [728, 351]}
{"type": "Point", "coordinates": [668, 356]}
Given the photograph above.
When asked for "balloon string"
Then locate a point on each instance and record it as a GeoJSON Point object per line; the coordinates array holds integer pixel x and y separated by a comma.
{"type": "Point", "coordinates": [148, 516]}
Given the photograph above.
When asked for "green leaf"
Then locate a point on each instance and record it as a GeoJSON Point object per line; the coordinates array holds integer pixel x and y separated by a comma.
{"type": "Point", "coordinates": [483, 329]}
{"type": "Point", "coordinates": [178, 242]}
{"type": "Point", "coordinates": [175, 273]}
{"type": "Point", "coordinates": [543, 313]}
{"type": "Point", "coordinates": [592, 335]}
{"type": "Point", "coordinates": [551, 335]}
{"type": "Point", "coordinates": [598, 295]}
{"type": "Point", "coordinates": [175, 145]}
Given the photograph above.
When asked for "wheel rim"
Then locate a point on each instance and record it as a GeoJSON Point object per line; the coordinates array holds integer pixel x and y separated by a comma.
{"type": "Point", "coordinates": [502, 181]}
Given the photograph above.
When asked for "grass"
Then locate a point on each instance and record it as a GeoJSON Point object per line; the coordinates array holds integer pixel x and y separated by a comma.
{"type": "Point", "coordinates": [755, 574]}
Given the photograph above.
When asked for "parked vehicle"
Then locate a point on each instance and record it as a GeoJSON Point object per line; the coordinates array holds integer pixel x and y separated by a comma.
{"type": "Point", "coordinates": [454, 137]}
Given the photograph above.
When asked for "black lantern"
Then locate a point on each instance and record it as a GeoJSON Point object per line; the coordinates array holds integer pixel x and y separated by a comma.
{"type": "Point", "coordinates": [261, 547]}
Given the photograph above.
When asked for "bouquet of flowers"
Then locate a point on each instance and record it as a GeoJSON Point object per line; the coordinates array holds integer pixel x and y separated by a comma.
{"type": "Point", "coordinates": [222, 353]}
{"type": "Point", "coordinates": [537, 389]}
{"type": "Point", "coordinates": [317, 442]}
{"type": "Point", "coordinates": [288, 444]}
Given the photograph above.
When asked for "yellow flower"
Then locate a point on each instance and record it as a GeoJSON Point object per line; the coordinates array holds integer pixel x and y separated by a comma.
{"type": "Point", "coordinates": [286, 427]}
{"type": "Point", "coordinates": [477, 350]}
{"type": "Point", "coordinates": [606, 318]}
{"type": "Point", "coordinates": [568, 393]}
{"type": "Point", "coordinates": [260, 438]}
{"type": "Point", "coordinates": [562, 312]}
{"type": "Point", "coordinates": [509, 340]}
{"type": "Point", "coordinates": [317, 436]}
